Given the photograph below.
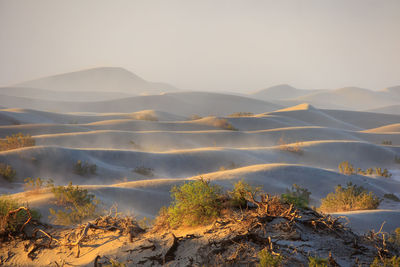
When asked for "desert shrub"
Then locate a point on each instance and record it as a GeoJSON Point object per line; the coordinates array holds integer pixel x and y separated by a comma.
{"type": "Point", "coordinates": [224, 124]}
{"type": "Point", "coordinates": [386, 262]}
{"type": "Point", "coordinates": [85, 168]}
{"type": "Point", "coordinates": [394, 237]}
{"type": "Point", "coordinates": [392, 197]}
{"type": "Point", "coordinates": [297, 195]}
{"type": "Point", "coordinates": [241, 114]}
{"type": "Point", "coordinates": [232, 165]}
{"type": "Point", "coordinates": [14, 223]}
{"type": "Point", "coordinates": [35, 185]}
{"type": "Point", "coordinates": [397, 159]}
{"type": "Point", "coordinates": [317, 262]}
{"type": "Point", "coordinates": [115, 263]}
{"type": "Point", "coordinates": [241, 192]}
{"type": "Point", "coordinates": [384, 173]}
{"type": "Point", "coordinates": [349, 198]}
{"type": "Point", "coordinates": [7, 172]}
{"type": "Point", "coordinates": [78, 204]}
{"type": "Point", "coordinates": [145, 171]}
{"type": "Point", "coordinates": [16, 141]}
{"type": "Point", "coordinates": [194, 203]}
{"type": "Point", "coordinates": [294, 147]}
{"type": "Point", "coordinates": [267, 259]}
{"type": "Point", "coordinates": [346, 168]}
{"type": "Point", "coordinates": [387, 142]}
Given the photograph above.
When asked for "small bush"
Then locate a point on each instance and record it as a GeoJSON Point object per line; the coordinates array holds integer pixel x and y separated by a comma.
{"type": "Point", "coordinates": [224, 124]}
{"type": "Point", "coordinates": [386, 142]}
{"type": "Point", "coordinates": [85, 168]}
{"type": "Point", "coordinates": [294, 148]}
{"type": "Point", "coordinates": [394, 237]}
{"type": "Point", "coordinates": [392, 197]}
{"type": "Point", "coordinates": [298, 196]}
{"type": "Point", "coordinates": [397, 159]}
{"type": "Point", "coordinates": [16, 141]}
{"type": "Point", "coordinates": [241, 192]}
{"type": "Point", "coordinates": [14, 223]}
{"type": "Point", "coordinates": [386, 262]}
{"type": "Point", "coordinates": [269, 260]}
{"type": "Point", "coordinates": [241, 114]}
{"type": "Point", "coordinates": [145, 171]}
{"type": "Point", "coordinates": [230, 166]}
{"type": "Point", "coordinates": [7, 172]}
{"type": "Point", "coordinates": [78, 204]}
{"type": "Point", "coordinates": [194, 203]}
{"type": "Point", "coordinates": [349, 198]}
{"type": "Point", "coordinates": [317, 262]}
{"type": "Point", "coordinates": [346, 168]}
{"type": "Point", "coordinates": [384, 173]}
{"type": "Point", "coordinates": [195, 117]}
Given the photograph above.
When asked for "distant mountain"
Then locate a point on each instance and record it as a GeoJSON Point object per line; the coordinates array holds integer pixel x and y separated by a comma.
{"type": "Point", "coordinates": [104, 79]}
{"type": "Point", "coordinates": [352, 98]}
{"type": "Point", "coordinates": [393, 109]}
{"type": "Point", "coordinates": [280, 92]}
{"type": "Point", "coordinates": [182, 103]}
{"type": "Point", "coordinates": [37, 93]}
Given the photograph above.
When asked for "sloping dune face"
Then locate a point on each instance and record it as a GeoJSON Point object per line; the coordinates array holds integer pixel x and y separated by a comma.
{"type": "Point", "coordinates": [143, 145]}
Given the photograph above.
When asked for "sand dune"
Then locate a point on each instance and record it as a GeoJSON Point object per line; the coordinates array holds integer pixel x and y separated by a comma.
{"type": "Point", "coordinates": [37, 93]}
{"type": "Point", "coordinates": [392, 109]}
{"type": "Point", "coordinates": [282, 91]}
{"type": "Point", "coordinates": [99, 79]}
{"type": "Point", "coordinates": [391, 128]}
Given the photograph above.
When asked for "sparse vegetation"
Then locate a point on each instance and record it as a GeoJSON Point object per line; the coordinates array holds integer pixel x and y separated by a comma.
{"type": "Point", "coordinates": [348, 169]}
{"type": "Point", "coordinates": [241, 114]}
{"type": "Point", "coordinates": [145, 171]}
{"type": "Point", "coordinates": [85, 168]}
{"type": "Point", "coordinates": [16, 141]}
{"type": "Point", "coordinates": [13, 216]}
{"type": "Point", "coordinates": [224, 124]}
{"type": "Point", "coordinates": [386, 142]}
{"type": "Point", "coordinates": [397, 159]}
{"type": "Point", "coordinates": [194, 203]}
{"type": "Point", "coordinates": [394, 238]}
{"type": "Point", "coordinates": [268, 259]}
{"type": "Point", "coordinates": [297, 195]}
{"type": "Point", "coordinates": [386, 262]}
{"type": "Point", "coordinates": [317, 262]}
{"type": "Point", "coordinates": [7, 172]}
{"type": "Point", "coordinates": [241, 192]}
{"type": "Point", "coordinates": [392, 197]}
{"type": "Point", "coordinates": [294, 147]}
{"type": "Point", "coordinates": [349, 198]}
{"type": "Point", "coordinates": [195, 117]}
{"type": "Point", "coordinates": [77, 203]}
{"type": "Point", "coordinates": [232, 165]}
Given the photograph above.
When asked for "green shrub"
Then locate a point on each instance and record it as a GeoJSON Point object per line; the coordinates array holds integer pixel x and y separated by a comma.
{"type": "Point", "coordinates": [34, 185]}
{"type": "Point", "coordinates": [145, 171]}
{"type": "Point", "coordinates": [392, 197]}
{"type": "Point", "coordinates": [14, 223]}
{"type": "Point", "coordinates": [78, 204]}
{"type": "Point", "coordinates": [268, 260]}
{"type": "Point", "coordinates": [349, 198]}
{"type": "Point", "coordinates": [386, 262]}
{"type": "Point", "coordinates": [241, 192]}
{"type": "Point", "coordinates": [394, 237]}
{"type": "Point", "coordinates": [298, 196]}
{"type": "Point", "coordinates": [317, 262]}
{"type": "Point", "coordinates": [85, 168]}
{"type": "Point", "coordinates": [7, 172]}
{"type": "Point", "coordinates": [346, 168]}
{"type": "Point", "coordinates": [194, 203]}
{"type": "Point", "coordinates": [384, 173]}
{"type": "Point", "coordinates": [16, 141]}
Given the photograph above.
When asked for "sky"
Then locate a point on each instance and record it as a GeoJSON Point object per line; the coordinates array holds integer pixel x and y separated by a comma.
{"type": "Point", "coordinates": [213, 45]}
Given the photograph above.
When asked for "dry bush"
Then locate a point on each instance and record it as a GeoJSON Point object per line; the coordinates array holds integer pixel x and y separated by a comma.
{"type": "Point", "coordinates": [346, 168]}
{"type": "Point", "coordinates": [16, 141]}
{"type": "Point", "coordinates": [224, 124]}
{"type": "Point", "coordinates": [294, 147]}
{"type": "Point", "coordinates": [392, 197]}
{"type": "Point", "coordinates": [349, 198]}
{"type": "Point", "coordinates": [241, 194]}
{"type": "Point", "coordinates": [78, 204]}
{"type": "Point", "coordinates": [387, 142]}
{"type": "Point", "coordinates": [7, 172]}
{"type": "Point", "coordinates": [85, 168]}
{"type": "Point", "coordinates": [241, 114]}
{"type": "Point", "coordinates": [145, 171]}
{"type": "Point", "coordinates": [232, 165]}
{"type": "Point", "coordinates": [34, 186]}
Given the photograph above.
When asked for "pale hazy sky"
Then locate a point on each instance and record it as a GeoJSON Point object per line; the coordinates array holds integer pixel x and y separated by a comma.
{"type": "Point", "coordinates": [207, 44]}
